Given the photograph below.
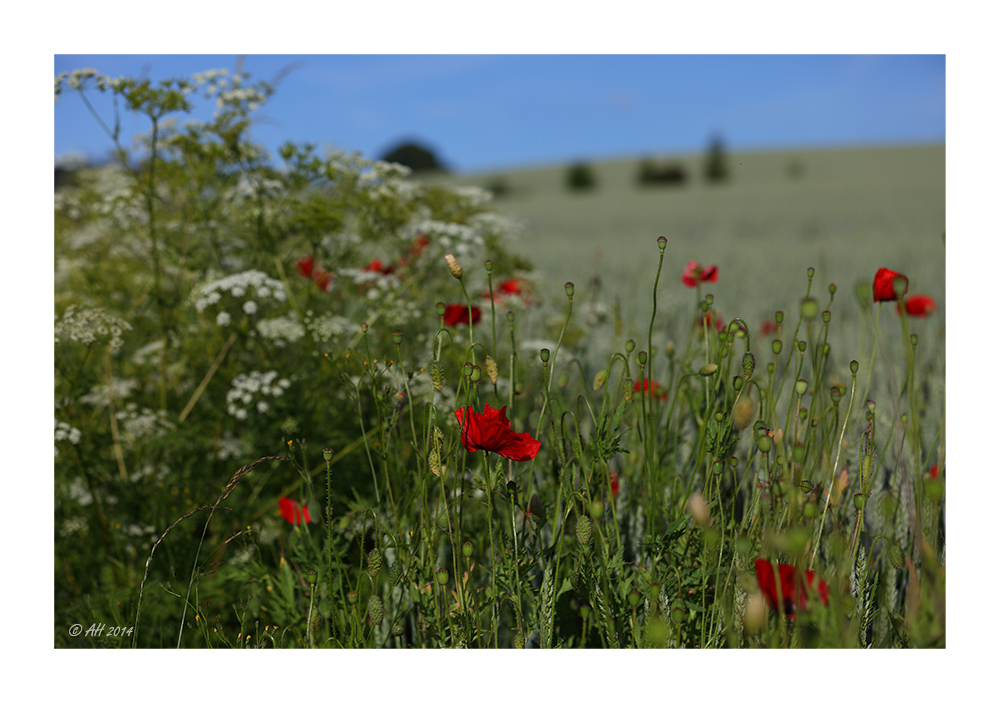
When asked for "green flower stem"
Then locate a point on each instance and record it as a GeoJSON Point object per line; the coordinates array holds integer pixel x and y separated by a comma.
{"type": "Point", "coordinates": [494, 634]}
{"type": "Point", "coordinates": [833, 474]}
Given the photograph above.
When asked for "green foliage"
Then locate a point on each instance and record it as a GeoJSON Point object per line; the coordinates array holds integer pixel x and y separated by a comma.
{"type": "Point", "coordinates": [716, 162]}
{"type": "Point", "coordinates": [415, 157]}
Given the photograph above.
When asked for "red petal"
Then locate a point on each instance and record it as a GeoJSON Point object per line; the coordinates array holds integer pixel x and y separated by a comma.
{"type": "Point", "coordinates": [882, 288]}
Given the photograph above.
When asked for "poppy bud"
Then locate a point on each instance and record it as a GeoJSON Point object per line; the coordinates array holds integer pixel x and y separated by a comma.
{"type": "Point", "coordinates": [437, 375]}
{"type": "Point", "coordinates": [748, 365]}
{"type": "Point", "coordinates": [764, 443]}
{"type": "Point", "coordinates": [441, 307]}
{"type": "Point", "coordinates": [453, 266]}
{"type": "Point", "coordinates": [395, 573]}
{"type": "Point", "coordinates": [633, 597]}
{"type": "Point", "coordinates": [629, 346]}
{"type": "Point", "coordinates": [776, 346]}
{"type": "Point", "coordinates": [896, 557]}
{"type": "Point", "coordinates": [737, 383]}
{"type": "Point", "coordinates": [536, 510]}
{"type": "Point", "coordinates": [491, 369]}
{"type": "Point", "coordinates": [708, 369]}
{"type": "Point", "coordinates": [597, 510]}
{"type": "Point", "coordinates": [743, 412]}
{"type": "Point", "coordinates": [442, 576]}
{"type": "Point", "coordinates": [584, 530]}
{"type": "Point", "coordinates": [477, 373]}
{"type": "Point", "coordinates": [376, 610]}
{"type": "Point", "coordinates": [600, 379]}
{"type": "Point", "coordinates": [374, 563]}
{"type": "Point", "coordinates": [699, 510]}
{"type": "Point", "coordinates": [801, 386]}
{"type": "Point", "coordinates": [467, 549]}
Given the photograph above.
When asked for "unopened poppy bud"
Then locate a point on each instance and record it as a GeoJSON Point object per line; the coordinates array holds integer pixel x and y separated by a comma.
{"type": "Point", "coordinates": [374, 563]}
{"type": "Point", "coordinates": [327, 454]}
{"type": "Point", "coordinates": [437, 375]}
{"type": "Point", "coordinates": [661, 242]}
{"type": "Point", "coordinates": [629, 346]}
{"type": "Point", "coordinates": [633, 597]}
{"type": "Point", "coordinates": [764, 443]}
{"type": "Point", "coordinates": [854, 367]}
{"type": "Point", "coordinates": [809, 308]}
{"type": "Point", "coordinates": [395, 573]}
{"type": "Point", "coordinates": [708, 369]}
{"type": "Point", "coordinates": [699, 510]}
{"type": "Point", "coordinates": [738, 383]}
{"type": "Point", "coordinates": [544, 354]}
{"type": "Point", "coordinates": [859, 501]}
{"type": "Point", "coordinates": [600, 379]}
{"type": "Point", "coordinates": [743, 412]}
{"type": "Point", "coordinates": [569, 290]}
{"type": "Point", "coordinates": [584, 530]}
{"type": "Point", "coordinates": [669, 350]}
{"type": "Point", "coordinates": [643, 357]}
{"type": "Point", "coordinates": [717, 467]}
{"type": "Point", "coordinates": [536, 510]}
{"type": "Point", "coordinates": [467, 549]}
{"type": "Point", "coordinates": [453, 266]}
{"type": "Point", "coordinates": [376, 610]}
{"type": "Point", "coordinates": [776, 346]}
{"type": "Point", "coordinates": [809, 510]}
{"type": "Point", "coordinates": [719, 416]}
{"type": "Point", "coordinates": [801, 386]}
{"type": "Point", "coordinates": [798, 452]}
{"type": "Point", "coordinates": [397, 337]}
{"type": "Point", "coordinates": [896, 557]}
{"type": "Point", "coordinates": [491, 369]}
{"type": "Point", "coordinates": [596, 510]}
{"type": "Point", "coordinates": [476, 374]}
{"type": "Point", "coordinates": [770, 367]}
{"type": "Point", "coordinates": [749, 363]}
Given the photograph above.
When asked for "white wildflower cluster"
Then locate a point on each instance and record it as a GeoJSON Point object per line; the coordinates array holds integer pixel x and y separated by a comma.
{"type": "Point", "coordinates": [148, 471]}
{"type": "Point", "coordinates": [282, 330]}
{"type": "Point", "coordinates": [327, 328]}
{"type": "Point", "coordinates": [66, 433]}
{"type": "Point", "coordinates": [137, 424]}
{"type": "Point", "coordinates": [148, 353]}
{"type": "Point", "coordinates": [473, 195]}
{"type": "Point", "coordinates": [73, 525]}
{"type": "Point", "coordinates": [460, 240]}
{"type": "Point", "coordinates": [374, 283]}
{"type": "Point", "coordinates": [230, 447]}
{"type": "Point", "coordinates": [89, 324]}
{"type": "Point", "coordinates": [252, 391]}
{"type": "Point", "coordinates": [403, 310]}
{"type": "Point", "coordinates": [101, 395]}
{"type": "Point", "coordinates": [495, 223]}
{"type": "Point", "coordinates": [244, 288]}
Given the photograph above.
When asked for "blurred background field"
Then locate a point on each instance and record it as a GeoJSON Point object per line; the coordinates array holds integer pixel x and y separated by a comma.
{"type": "Point", "coordinates": [845, 212]}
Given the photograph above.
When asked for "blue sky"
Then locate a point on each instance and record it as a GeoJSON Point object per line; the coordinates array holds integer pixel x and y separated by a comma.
{"type": "Point", "coordinates": [486, 112]}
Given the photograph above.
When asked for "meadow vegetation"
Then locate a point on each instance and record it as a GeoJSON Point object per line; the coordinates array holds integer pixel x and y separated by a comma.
{"type": "Point", "coordinates": [306, 400]}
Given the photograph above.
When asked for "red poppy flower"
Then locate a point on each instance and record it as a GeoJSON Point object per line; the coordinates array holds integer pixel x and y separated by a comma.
{"type": "Point", "coordinates": [793, 587]}
{"type": "Point", "coordinates": [655, 392]}
{"type": "Point", "coordinates": [883, 288]}
{"type": "Point", "coordinates": [419, 244]}
{"type": "Point", "coordinates": [918, 305]}
{"type": "Point", "coordinates": [456, 314]}
{"type": "Point", "coordinates": [713, 318]}
{"type": "Point", "coordinates": [694, 274]}
{"type": "Point", "coordinates": [305, 266]}
{"type": "Point", "coordinates": [323, 280]}
{"type": "Point", "coordinates": [490, 430]}
{"type": "Point", "coordinates": [292, 513]}
{"type": "Point", "coordinates": [377, 267]}
{"type": "Point", "coordinates": [933, 471]}
{"type": "Point", "coordinates": [614, 484]}
{"type": "Point", "coordinates": [768, 327]}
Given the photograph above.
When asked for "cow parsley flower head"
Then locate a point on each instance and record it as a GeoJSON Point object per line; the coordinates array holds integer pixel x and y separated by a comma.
{"type": "Point", "coordinates": [90, 324]}
{"type": "Point", "coordinates": [248, 392]}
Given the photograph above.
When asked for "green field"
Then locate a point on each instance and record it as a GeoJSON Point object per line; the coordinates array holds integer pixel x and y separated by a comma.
{"type": "Point", "coordinates": [849, 210]}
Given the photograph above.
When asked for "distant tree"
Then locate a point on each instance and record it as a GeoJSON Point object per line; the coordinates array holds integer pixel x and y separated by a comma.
{"type": "Point", "coordinates": [716, 168]}
{"type": "Point", "coordinates": [795, 169]}
{"type": "Point", "coordinates": [580, 177]}
{"type": "Point", "coordinates": [499, 186]}
{"type": "Point", "coordinates": [651, 173]}
{"type": "Point", "coordinates": [415, 156]}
